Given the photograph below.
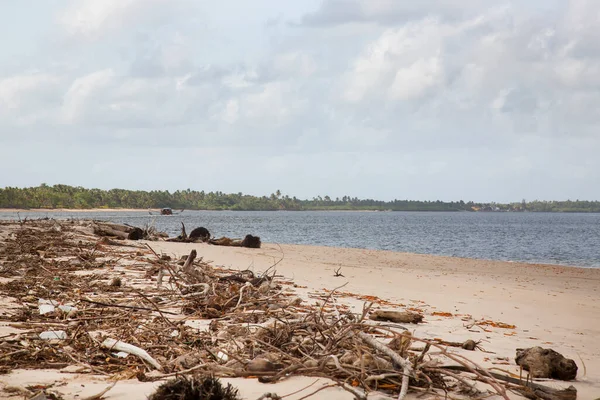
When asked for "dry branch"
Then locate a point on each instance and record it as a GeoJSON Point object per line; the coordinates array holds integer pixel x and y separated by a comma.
{"type": "Point", "coordinates": [113, 344]}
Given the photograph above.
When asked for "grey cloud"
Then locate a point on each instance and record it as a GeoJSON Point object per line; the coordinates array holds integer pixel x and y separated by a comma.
{"type": "Point", "coordinates": [390, 12]}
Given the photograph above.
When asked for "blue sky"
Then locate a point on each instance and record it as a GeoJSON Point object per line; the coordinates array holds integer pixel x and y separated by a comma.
{"type": "Point", "coordinates": [446, 99]}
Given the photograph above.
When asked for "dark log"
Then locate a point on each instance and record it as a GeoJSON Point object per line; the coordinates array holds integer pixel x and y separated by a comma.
{"type": "Point", "coordinates": [136, 234]}
{"type": "Point", "coordinates": [200, 233]}
{"type": "Point", "coordinates": [250, 241]}
{"type": "Point", "coordinates": [401, 317]}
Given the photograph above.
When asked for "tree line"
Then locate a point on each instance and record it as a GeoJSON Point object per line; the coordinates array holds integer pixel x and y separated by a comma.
{"type": "Point", "coordinates": [70, 197]}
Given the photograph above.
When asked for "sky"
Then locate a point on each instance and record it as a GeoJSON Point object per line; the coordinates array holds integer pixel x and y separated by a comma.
{"type": "Point", "coordinates": [449, 99]}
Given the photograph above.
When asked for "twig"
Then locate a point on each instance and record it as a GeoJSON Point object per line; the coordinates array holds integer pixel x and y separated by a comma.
{"type": "Point", "coordinates": [329, 297]}
{"type": "Point", "coordinates": [358, 394]}
{"type": "Point", "coordinates": [177, 373]}
{"type": "Point", "coordinates": [139, 292]}
{"type": "Point", "coordinates": [99, 395]}
{"type": "Point", "coordinates": [246, 285]}
{"type": "Point", "coordinates": [300, 390]}
{"type": "Point", "coordinates": [318, 390]}
{"type": "Point", "coordinates": [405, 364]}
{"type": "Point", "coordinates": [84, 364]}
{"type": "Point", "coordinates": [123, 306]}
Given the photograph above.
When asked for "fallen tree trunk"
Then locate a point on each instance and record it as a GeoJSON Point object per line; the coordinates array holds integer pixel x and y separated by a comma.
{"type": "Point", "coordinates": [249, 241]}
{"type": "Point", "coordinates": [105, 230]}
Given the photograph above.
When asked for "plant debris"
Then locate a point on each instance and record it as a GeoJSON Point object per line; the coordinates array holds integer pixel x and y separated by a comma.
{"type": "Point", "coordinates": [194, 388]}
{"type": "Point", "coordinates": [139, 314]}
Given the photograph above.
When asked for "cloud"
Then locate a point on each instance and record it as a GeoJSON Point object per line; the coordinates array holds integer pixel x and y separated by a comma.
{"type": "Point", "coordinates": [90, 19]}
{"type": "Point", "coordinates": [29, 98]}
{"type": "Point", "coordinates": [80, 95]}
{"type": "Point", "coordinates": [389, 12]}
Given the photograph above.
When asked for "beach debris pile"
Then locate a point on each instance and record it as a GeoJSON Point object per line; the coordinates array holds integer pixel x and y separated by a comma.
{"type": "Point", "coordinates": [202, 235]}
{"type": "Point", "coordinates": [121, 310]}
{"type": "Point", "coordinates": [120, 231]}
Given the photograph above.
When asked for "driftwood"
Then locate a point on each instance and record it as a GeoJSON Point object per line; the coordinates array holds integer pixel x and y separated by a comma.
{"type": "Point", "coordinates": [107, 229]}
{"type": "Point", "coordinates": [407, 368]}
{"type": "Point", "coordinates": [238, 324]}
{"type": "Point", "coordinates": [530, 390]}
{"type": "Point", "coordinates": [249, 241]}
{"type": "Point", "coordinates": [401, 317]}
{"type": "Point", "coordinates": [113, 344]}
{"type": "Point", "coordinates": [546, 363]}
{"type": "Point", "coordinates": [199, 234]}
{"type": "Point", "coordinates": [188, 266]}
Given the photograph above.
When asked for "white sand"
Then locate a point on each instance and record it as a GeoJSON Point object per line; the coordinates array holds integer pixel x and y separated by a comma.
{"type": "Point", "coordinates": [551, 306]}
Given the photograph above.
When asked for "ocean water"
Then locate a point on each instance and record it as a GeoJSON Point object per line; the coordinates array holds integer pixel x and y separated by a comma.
{"type": "Point", "coordinates": [568, 239]}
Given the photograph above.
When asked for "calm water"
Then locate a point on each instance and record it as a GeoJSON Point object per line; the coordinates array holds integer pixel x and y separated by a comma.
{"type": "Point", "coordinates": [570, 239]}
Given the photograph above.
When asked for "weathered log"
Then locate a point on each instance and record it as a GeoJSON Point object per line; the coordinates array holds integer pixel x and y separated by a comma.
{"type": "Point", "coordinates": [402, 317]}
{"type": "Point", "coordinates": [120, 231]}
{"type": "Point", "coordinates": [104, 230]}
{"type": "Point", "coordinates": [118, 227]}
{"type": "Point", "coordinates": [546, 363]}
{"type": "Point", "coordinates": [249, 241]}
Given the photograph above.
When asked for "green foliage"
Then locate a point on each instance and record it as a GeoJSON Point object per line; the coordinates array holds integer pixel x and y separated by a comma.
{"type": "Point", "coordinates": [64, 196]}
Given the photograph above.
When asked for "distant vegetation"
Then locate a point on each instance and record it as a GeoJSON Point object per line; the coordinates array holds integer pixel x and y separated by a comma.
{"type": "Point", "coordinates": [63, 196]}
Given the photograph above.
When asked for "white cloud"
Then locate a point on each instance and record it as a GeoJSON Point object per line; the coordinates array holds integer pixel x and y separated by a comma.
{"type": "Point", "coordinates": [416, 80]}
{"type": "Point", "coordinates": [79, 98]}
{"type": "Point", "coordinates": [406, 59]}
{"type": "Point", "coordinates": [16, 90]}
{"type": "Point", "coordinates": [231, 111]}
{"type": "Point", "coordinates": [91, 18]}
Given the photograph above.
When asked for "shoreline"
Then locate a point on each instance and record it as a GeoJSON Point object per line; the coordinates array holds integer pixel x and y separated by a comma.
{"type": "Point", "coordinates": [524, 264]}
{"type": "Point", "coordinates": [501, 305]}
{"type": "Point", "coordinates": [307, 210]}
{"type": "Point", "coordinates": [527, 263]}
{"type": "Point", "coordinates": [77, 210]}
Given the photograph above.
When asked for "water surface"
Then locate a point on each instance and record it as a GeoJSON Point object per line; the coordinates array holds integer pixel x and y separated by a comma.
{"type": "Point", "coordinates": [569, 239]}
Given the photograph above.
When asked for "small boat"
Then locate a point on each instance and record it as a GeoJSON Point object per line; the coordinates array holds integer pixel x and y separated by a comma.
{"type": "Point", "coordinates": [165, 211]}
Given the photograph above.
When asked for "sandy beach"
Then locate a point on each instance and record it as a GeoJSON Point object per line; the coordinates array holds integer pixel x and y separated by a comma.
{"type": "Point", "coordinates": [551, 306]}
{"type": "Point", "coordinates": [502, 304]}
